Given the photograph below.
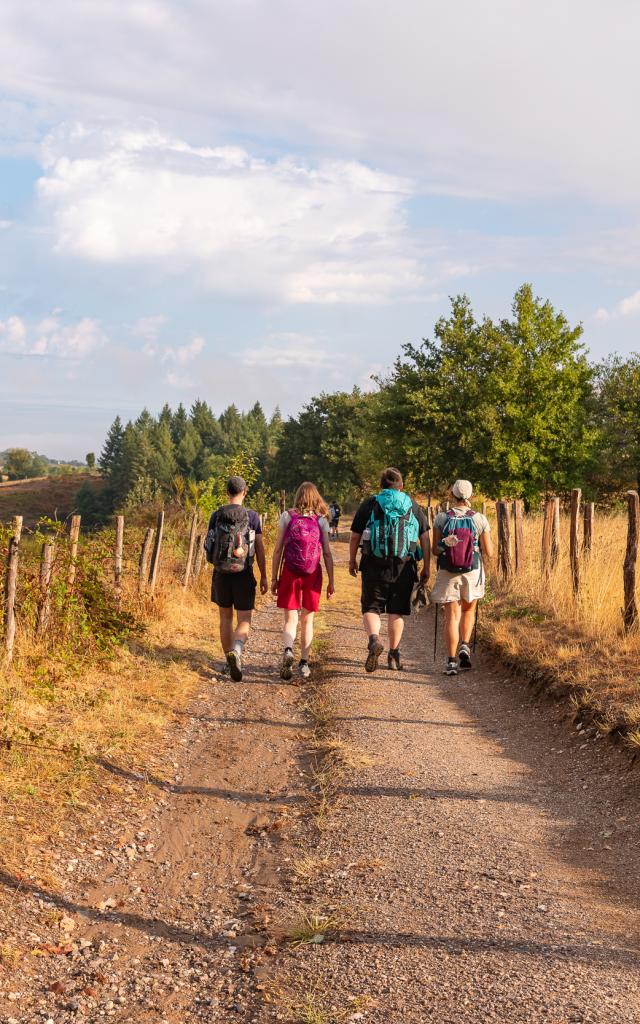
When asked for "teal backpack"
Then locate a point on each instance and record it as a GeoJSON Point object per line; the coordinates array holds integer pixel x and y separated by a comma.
{"type": "Point", "coordinates": [393, 526]}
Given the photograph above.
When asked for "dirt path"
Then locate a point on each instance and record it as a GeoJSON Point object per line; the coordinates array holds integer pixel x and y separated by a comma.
{"type": "Point", "coordinates": [482, 865]}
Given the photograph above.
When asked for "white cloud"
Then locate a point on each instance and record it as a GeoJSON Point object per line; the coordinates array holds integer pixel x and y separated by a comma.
{"type": "Point", "coordinates": [629, 306]}
{"type": "Point", "coordinates": [328, 233]}
{"type": "Point", "coordinates": [182, 354]}
{"type": "Point", "coordinates": [291, 351]}
{"type": "Point", "coordinates": [50, 338]}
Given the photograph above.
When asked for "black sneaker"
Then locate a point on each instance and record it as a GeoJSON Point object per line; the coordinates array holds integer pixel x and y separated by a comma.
{"type": "Point", "coordinates": [375, 650]}
{"type": "Point", "coordinates": [286, 671]}
{"type": "Point", "coordinates": [464, 656]}
{"type": "Point", "coordinates": [451, 668]}
{"type": "Point", "coordinates": [234, 661]}
{"type": "Point", "coordinates": [393, 660]}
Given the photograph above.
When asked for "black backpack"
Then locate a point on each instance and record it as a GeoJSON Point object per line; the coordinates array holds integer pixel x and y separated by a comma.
{"type": "Point", "coordinates": [228, 545]}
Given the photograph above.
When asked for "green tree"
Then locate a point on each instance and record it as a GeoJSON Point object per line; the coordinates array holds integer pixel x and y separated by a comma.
{"type": "Point", "coordinates": [112, 448]}
{"type": "Point", "coordinates": [90, 459]}
{"type": "Point", "coordinates": [617, 419]}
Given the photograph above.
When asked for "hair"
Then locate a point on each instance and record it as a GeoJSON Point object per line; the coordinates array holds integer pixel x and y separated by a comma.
{"type": "Point", "coordinates": [235, 486]}
{"type": "Point", "coordinates": [391, 477]}
{"type": "Point", "coordinates": [309, 499]}
{"type": "Point", "coordinates": [458, 499]}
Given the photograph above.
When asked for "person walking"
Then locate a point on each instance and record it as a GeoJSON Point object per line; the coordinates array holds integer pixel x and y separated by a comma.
{"type": "Point", "coordinates": [233, 540]}
{"type": "Point", "coordinates": [303, 538]}
{"type": "Point", "coordinates": [394, 534]}
{"type": "Point", "coordinates": [461, 538]}
{"type": "Point", "coordinates": [334, 520]}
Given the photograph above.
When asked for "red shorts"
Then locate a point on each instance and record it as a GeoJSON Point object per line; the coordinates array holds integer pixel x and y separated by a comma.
{"type": "Point", "coordinates": [300, 590]}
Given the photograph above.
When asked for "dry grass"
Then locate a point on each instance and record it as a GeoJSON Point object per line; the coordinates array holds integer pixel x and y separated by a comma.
{"type": "Point", "coordinates": [574, 644]}
{"type": "Point", "coordinates": [313, 929]}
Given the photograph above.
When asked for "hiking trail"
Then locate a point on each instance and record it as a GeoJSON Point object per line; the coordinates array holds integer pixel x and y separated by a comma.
{"type": "Point", "coordinates": [479, 860]}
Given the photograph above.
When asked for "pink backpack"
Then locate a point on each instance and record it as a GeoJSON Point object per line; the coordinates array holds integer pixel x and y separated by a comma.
{"type": "Point", "coordinates": [302, 543]}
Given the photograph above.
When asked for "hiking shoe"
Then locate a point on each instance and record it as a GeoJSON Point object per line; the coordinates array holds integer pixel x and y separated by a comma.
{"type": "Point", "coordinates": [393, 660]}
{"type": "Point", "coordinates": [287, 665]}
{"type": "Point", "coordinates": [464, 656]}
{"type": "Point", "coordinates": [234, 661]}
{"type": "Point", "coordinates": [375, 650]}
{"type": "Point", "coordinates": [304, 668]}
{"type": "Point", "coordinates": [451, 668]}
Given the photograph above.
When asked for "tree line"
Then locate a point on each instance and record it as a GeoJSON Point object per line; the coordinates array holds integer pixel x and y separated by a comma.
{"type": "Point", "coordinates": [515, 405]}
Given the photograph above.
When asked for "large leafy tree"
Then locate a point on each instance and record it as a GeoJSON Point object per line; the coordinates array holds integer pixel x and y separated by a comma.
{"type": "Point", "coordinates": [617, 418]}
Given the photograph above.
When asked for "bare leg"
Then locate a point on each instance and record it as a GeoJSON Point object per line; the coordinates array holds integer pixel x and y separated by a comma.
{"type": "Point", "coordinates": [306, 634]}
{"type": "Point", "coordinates": [243, 626]}
{"type": "Point", "coordinates": [371, 622]}
{"type": "Point", "coordinates": [290, 627]}
{"type": "Point", "coordinates": [452, 612]}
{"type": "Point", "coordinates": [226, 628]}
{"type": "Point", "coordinates": [395, 629]}
{"type": "Point", "coordinates": [468, 620]}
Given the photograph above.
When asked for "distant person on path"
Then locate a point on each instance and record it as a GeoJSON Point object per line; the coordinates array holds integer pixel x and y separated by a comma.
{"type": "Point", "coordinates": [460, 539]}
{"type": "Point", "coordinates": [296, 578]}
{"type": "Point", "coordinates": [334, 519]}
{"type": "Point", "coordinates": [394, 534]}
{"type": "Point", "coordinates": [233, 540]}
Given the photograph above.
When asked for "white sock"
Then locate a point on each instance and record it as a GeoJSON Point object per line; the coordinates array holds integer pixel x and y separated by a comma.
{"type": "Point", "coordinates": [238, 646]}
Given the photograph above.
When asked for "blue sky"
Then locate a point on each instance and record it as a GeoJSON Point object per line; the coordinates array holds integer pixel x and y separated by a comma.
{"type": "Point", "coordinates": [261, 200]}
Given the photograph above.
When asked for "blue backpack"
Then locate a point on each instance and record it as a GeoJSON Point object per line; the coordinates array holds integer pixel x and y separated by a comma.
{"type": "Point", "coordinates": [393, 527]}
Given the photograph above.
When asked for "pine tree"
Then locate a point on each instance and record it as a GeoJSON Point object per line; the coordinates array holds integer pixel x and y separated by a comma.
{"type": "Point", "coordinates": [112, 447]}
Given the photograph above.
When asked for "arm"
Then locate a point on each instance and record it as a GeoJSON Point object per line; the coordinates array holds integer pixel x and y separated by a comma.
{"type": "Point", "coordinates": [435, 541]}
{"type": "Point", "coordinates": [277, 559]}
{"type": "Point", "coordinates": [426, 555]}
{"type": "Point", "coordinates": [486, 544]}
{"type": "Point", "coordinates": [354, 543]}
{"type": "Point", "coordinates": [328, 563]}
{"type": "Point", "coordinates": [262, 563]}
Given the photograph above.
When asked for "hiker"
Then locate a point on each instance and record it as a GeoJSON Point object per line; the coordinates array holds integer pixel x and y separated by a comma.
{"type": "Point", "coordinates": [233, 539]}
{"type": "Point", "coordinates": [334, 519]}
{"type": "Point", "coordinates": [296, 578]}
{"type": "Point", "coordinates": [461, 537]}
{"type": "Point", "coordinates": [394, 533]}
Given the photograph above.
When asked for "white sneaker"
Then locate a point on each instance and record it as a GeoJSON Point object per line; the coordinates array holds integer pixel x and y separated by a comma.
{"type": "Point", "coordinates": [304, 668]}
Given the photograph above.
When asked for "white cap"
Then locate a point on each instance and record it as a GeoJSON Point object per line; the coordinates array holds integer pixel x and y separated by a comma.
{"type": "Point", "coordinates": [463, 489]}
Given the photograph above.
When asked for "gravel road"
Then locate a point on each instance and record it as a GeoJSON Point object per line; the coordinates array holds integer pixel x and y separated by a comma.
{"type": "Point", "coordinates": [481, 861]}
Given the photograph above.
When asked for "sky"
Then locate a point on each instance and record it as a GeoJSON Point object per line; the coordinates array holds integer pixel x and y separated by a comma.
{"type": "Point", "coordinates": [263, 199]}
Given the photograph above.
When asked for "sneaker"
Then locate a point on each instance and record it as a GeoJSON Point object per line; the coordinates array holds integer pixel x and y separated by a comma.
{"type": "Point", "coordinates": [287, 664]}
{"type": "Point", "coordinates": [304, 668]}
{"type": "Point", "coordinates": [393, 660]}
{"type": "Point", "coordinates": [464, 656]}
{"type": "Point", "coordinates": [375, 650]}
{"type": "Point", "coordinates": [451, 668]}
{"type": "Point", "coordinates": [234, 661]}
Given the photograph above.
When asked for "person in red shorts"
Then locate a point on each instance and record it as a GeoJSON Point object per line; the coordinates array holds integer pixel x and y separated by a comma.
{"type": "Point", "coordinates": [303, 539]}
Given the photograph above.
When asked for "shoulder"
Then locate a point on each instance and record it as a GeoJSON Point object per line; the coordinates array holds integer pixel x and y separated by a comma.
{"type": "Point", "coordinates": [284, 520]}
{"type": "Point", "coordinates": [420, 515]}
{"type": "Point", "coordinates": [254, 520]}
{"type": "Point", "coordinates": [482, 522]}
{"type": "Point", "coordinates": [323, 523]}
{"type": "Point", "coordinates": [440, 520]}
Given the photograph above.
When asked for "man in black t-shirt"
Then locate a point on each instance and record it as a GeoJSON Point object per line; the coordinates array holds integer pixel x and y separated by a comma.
{"type": "Point", "coordinates": [237, 590]}
{"type": "Point", "coordinates": [387, 583]}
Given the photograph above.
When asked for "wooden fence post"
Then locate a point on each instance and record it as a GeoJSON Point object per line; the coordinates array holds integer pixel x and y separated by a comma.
{"type": "Point", "coordinates": [74, 534]}
{"type": "Point", "coordinates": [117, 564]}
{"type": "Point", "coordinates": [574, 539]}
{"type": "Point", "coordinates": [197, 567]}
{"type": "Point", "coordinates": [157, 547]}
{"type": "Point", "coordinates": [484, 508]}
{"type": "Point", "coordinates": [587, 528]}
{"type": "Point", "coordinates": [10, 587]}
{"type": "Point", "coordinates": [551, 534]}
{"type": "Point", "coordinates": [192, 544]}
{"type": "Point", "coordinates": [283, 501]}
{"type": "Point", "coordinates": [46, 570]}
{"type": "Point", "coordinates": [555, 532]}
{"type": "Point", "coordinates": [144, 559]}
{"type": "Point", "coordinates": [504, 539]}
{"type": "Point", "coordinates": [518, 534]}
{"type": "Point", "coordinates": [630, 612]}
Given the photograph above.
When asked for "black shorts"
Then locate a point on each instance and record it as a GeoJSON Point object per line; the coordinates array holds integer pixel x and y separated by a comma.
{"type": "Point", "coordinates": [391, 596]}
{"type": "Point", "coordinates": [234, 590]}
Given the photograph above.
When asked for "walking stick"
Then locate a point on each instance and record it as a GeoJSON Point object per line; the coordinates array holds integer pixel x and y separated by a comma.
{"type": "Point", "coordinates": [435, 635]}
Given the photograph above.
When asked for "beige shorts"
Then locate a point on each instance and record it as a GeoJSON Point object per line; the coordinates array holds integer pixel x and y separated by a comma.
{"type": "Point", "coordinates": [458, 586]}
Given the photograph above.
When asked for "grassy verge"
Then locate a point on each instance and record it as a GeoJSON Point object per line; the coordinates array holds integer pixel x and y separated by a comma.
{"type": "Point", "coordinates": [571, 645]}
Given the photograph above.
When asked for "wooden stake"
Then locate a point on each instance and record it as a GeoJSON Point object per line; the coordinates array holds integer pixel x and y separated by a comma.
{"type": "Point", "coordinates": [144, 559]}
{"type": "Point", "coordinates": [484, 508]}
{"type": "Point", "coordinates": [46, 571]}
{"type": "Point", "coordinates": [630, 612]}
{"type": "Point", "coordinates": [283, 501]}
{"type": "Point", "coordinates": [504, 539]}
{"type": "Point", "coordinates": [155, 558]}
{"type": "Point", "coordinates": [555, 532]}
{"type": "Point", "coordinates": [74, 534]}
{"type": "Point", "coordinates": [117, 564]}
{"type": "Point", "coordinates": [574, 539]}
{"type": "Point", "coordinates": [587, 528]}
{"type": "Point", "coordinates": [197, 567]}
{"type": "Point", "coordinates": [550, 535]}
{"type": "Point", "coordinates": [10, 587]}
{"type": "Point", "coordinates": [518, 533]}
{"type": "Point", "coordinates": [192, 544]}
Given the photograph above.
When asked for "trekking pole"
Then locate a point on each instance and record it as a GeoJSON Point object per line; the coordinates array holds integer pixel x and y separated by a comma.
{"type": "Point", "coordinates": [435, 634]}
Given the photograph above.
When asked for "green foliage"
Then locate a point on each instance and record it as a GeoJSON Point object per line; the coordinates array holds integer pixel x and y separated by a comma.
{"type": "Point", "coordinates": [20, 464]}
{"type": "Point", "coordinates": [90, 459]}
{"type": "Point", "coordinates": [617, 414]}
